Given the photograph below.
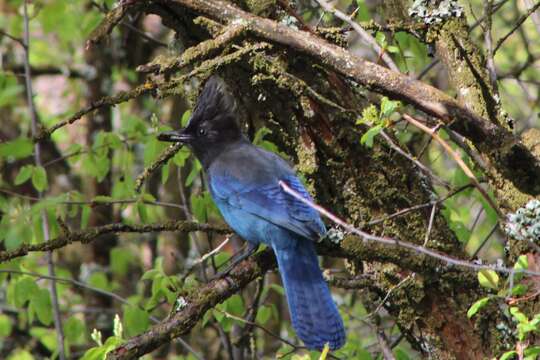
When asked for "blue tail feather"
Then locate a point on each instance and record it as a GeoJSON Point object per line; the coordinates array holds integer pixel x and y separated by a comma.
{"type": "Point", "coordinates": [314, 314]}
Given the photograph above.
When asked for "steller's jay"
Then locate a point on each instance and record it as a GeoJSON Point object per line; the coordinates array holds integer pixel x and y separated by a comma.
{"type": "Point", "coordinates": [243, 180]}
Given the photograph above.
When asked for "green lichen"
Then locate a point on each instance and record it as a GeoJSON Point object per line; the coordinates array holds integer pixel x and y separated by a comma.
{"type": "Point", "coordinates": [306, 153]}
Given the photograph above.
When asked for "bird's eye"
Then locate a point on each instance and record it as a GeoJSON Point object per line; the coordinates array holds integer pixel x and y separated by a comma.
{"type": "Point", "coordinates": [202, 132]}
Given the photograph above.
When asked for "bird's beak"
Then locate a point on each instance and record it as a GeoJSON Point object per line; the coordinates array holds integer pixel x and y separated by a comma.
{"type": "Point", "coordinates": [175, 136]}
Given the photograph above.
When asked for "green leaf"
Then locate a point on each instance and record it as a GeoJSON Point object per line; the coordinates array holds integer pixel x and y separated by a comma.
{"type": "Point", "coordinates": [263, 315]}
{"type": "Point", "coordinates": [99, 280]}
{"type": "Point", "coordinates": [195, 170]}
{"type": "Point", "coordinates": [519, 290]}
{"type": "Point", "coordinates": [120, 260]}
{"type": "Point", "coordinates": [367, 138]}
{"type": "Point", "coordinates": [39, 178]}
{"type": "Point", "coordinates": [521, 264]}
{"type": "Point", "coordinates": [235, 305]}
{"type": "Point", "coordinates": [142, 211]}
{"type": "Point", "coordinates": [25, 289]}
{"type": "Point", "coordinates": [85, 216]}
{"type": "Point", "coordinates": [518, 315]}
{"type": "Point", "coordinates": [136, 320]}
{"type": "Point", "coordinates": [47, 337]}
{"type": "Point", "coordinates": [17, 149]}
{"type": "Point", "coordinates": [508, 355]}
{"type": "Point", "coordinates": [5, 326]}
{"type": "Point", "coordinates": [74, 330]}
{"type": "Point", "coordinates": [24, 174]}
{"type": "Point", "coordinates": [479, 304]}
{"type": "Point", "coordinates": [165, 171]}
{"type": "Point", "coordinates": [532, 351]}
{"type": "Point", "coordinates": [41, 304]}
{"type": "Point", "coordinates": [20, 355]}
{"type": "Point", "coordinates": [488, 279]}
{"type": "Point", "coordinates": [185, 118]}
{"type": "Point", "coordinates": [388, 107]}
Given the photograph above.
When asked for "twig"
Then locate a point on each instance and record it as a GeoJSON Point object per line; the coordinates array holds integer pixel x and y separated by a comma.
{"type": "Point", "coordinates": [88, 235]}
{"type": "Point", "coordinates": [269, 332]}
{"type": "Point", "coordinates": [163, 158]}
{"type": "Point", "coordinates": [37, 158]}
{"type": "Point", "coordinates": [387, 296]}
{"type": "Point", "coordinates": [420, 206]}
{"type": "Point", "coordinates": [364, 35]}
{"type": "Point", "coordinates": [120, 97]}
{"type": "Point", "coordinates": [519, 22]}
{"type": "Point", "coordinates": [430, 225]}
{"type": "Point", "coordinates": [95, 203]}
{"type": "Point", "coordinates": [384, 345]}
{"type": "Point", "coordinates": [421, 166]}
{"type": "Point", "coordinates": [14, 38]}
{"type": "Point", "coordinates": [198, 302]}
{"type": "Point", "coordinates": [399, 243]}
{"type": "Point", "coordinates": [458, 160]}
{"type": "Point", "coordinates": [486, 239]}
{"type": "Point", "coordinates": [490, 62]}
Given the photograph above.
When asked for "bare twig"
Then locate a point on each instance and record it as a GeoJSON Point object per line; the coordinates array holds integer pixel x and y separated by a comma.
{"type": "Point", "coordinates": [14, 38]}
{"type": "Point", "coordinates": [490, 62]}
{"type": "Point", "coordinates": [518, 23]}
{"type": "Point", "coordinates": [421, 166]}
{"type": "Point", "coordinates": [484, 242]}
{"type": "Point", "coordinates": [37, 158]}
{"type": "Point", "coordinates": [163, 158]}
{"type": "Point", "coordinates": [88, 235]}
{"type": "Point", "coordinates": [197, 303]}
{"type": "Point", "coordinates": [445, 259]}
{"type": "Point", "coordinates": [420, 206]}
{"type": "Point", "coordinates": [364, 35]}
{"type": "Point", "coordinates": [430, 225]}
{"type": "Point", "coordinates": [458, 160]}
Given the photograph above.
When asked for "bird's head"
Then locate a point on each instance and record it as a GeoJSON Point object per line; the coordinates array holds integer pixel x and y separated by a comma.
{"type": "Point", "coordinates": [212, 124]}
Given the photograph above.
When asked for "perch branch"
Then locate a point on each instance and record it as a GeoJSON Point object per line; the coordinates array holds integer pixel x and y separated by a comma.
{"type": "Point", "coordinates": [88, 235]}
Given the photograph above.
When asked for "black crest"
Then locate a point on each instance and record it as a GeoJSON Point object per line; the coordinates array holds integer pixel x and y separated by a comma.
{"type": "Point", "coordinates": [215, 102]}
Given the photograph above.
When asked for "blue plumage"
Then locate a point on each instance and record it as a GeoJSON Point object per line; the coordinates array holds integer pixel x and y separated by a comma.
{"type": "Point", "coordinates": [244, 182]}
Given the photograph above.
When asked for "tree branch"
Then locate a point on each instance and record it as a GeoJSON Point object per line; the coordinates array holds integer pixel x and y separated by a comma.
{"type": "Point", "coordinates": [483, 133]}
{"type": "Point", "coordinates": [197, 303]}
{"type": "Point", "coordinates": [88, 235]}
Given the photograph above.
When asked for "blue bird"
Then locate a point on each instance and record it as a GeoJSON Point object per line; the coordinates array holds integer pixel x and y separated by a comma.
{"type": "Point", "coordinates": [243, 180]}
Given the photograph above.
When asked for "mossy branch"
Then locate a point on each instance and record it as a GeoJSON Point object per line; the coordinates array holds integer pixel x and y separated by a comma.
{"type": "Point", "coordinates": [88, 235]}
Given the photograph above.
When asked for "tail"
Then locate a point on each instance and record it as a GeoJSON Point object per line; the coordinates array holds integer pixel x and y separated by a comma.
{"type": "Point", "coordinates": [314, 314]}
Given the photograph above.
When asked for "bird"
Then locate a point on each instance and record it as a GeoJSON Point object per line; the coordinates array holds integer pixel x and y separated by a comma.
{"type": "Point", "coordinates": [244, 182]}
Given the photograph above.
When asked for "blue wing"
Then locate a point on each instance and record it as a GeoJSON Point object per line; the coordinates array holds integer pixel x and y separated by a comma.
{"type": "Point", "coordinates": [269, 202]}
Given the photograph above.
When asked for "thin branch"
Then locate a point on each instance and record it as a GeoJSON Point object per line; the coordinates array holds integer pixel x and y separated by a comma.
{"type": "Point", "coordinates": [364, 35]}
{"type": "Point", "coordinates": [420, 206]}
{"type": "Point", "coordinates": [37, 158]}
{"type": "Point", "coordinates": [269, 332]}
{"type": "Point", "coordinates": [458, 160]}
{"type": "Point", "coordinates": [445, 259]}
{"type": "Point", "coordinates": [519, 22]}
{"type": "Point", "coordinates": [486, 239]}
{"type": "Point", "coordinates": [197, 304]}
{"type": "Point", "coordinates": [163, 158]}
{"type": "Point", "coordinates": [490, 62]}
{"type": "Point", "coordinates": [88, 235]}
{"type": "Point", "coordinates": [430, 225]}
{"type": "Point", "coordinates": [14, 38]}
{"type": "Point", "coordinates": [421, 166]}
